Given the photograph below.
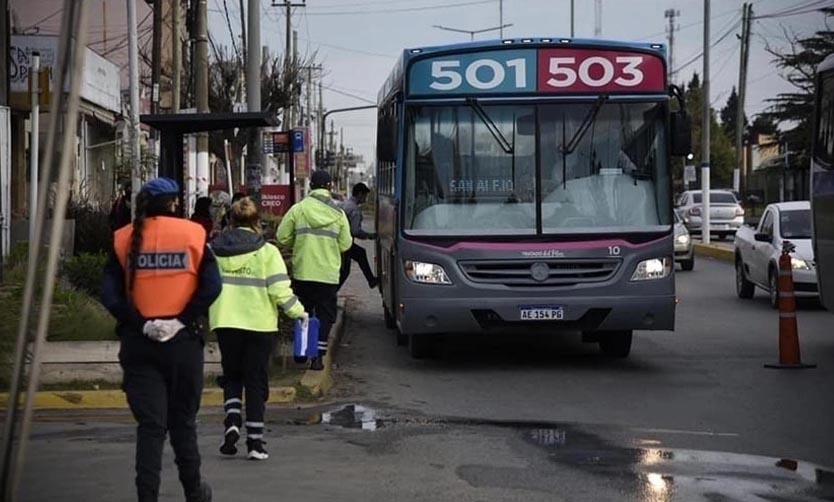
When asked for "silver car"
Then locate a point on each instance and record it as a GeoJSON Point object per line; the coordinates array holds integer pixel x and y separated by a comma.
{"type": "Point", "coordinates": [726, 214]}
{"type": "Point", "coordinates": [684, 252]}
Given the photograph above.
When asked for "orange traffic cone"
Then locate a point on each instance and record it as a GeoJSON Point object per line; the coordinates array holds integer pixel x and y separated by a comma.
{"type": "Point", "coordinates": [788, 334]}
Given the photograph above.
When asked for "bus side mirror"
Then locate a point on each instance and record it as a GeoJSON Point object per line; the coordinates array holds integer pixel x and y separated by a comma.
{"type": "Point", "coordinates": [681, 131]}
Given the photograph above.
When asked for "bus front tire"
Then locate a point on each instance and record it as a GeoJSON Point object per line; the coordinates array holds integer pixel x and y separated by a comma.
{"type": "Point", "coordinates": [615, 344]}
{"type": "Point", "coordinates": [390, 323]}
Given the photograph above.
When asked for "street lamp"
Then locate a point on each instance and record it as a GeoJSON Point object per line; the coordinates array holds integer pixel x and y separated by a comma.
{"type": "Point", "coordinates": [472, 32]}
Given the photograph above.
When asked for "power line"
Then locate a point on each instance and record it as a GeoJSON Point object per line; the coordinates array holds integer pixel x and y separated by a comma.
{"type": "Point", "coordinates": [404, 9]}
{"type": "Point", "coordinates": [698, 56]}
{"type": "Point", "coordinates": [346, 49]}
{"type": "Point", "coordinates": [348, 94]}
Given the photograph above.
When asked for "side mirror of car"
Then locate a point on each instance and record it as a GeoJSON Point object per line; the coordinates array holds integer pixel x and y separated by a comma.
{"type": "Point", "coordinates": [681, 134]}
{"type": "Point", "coordinates": [760, 237]}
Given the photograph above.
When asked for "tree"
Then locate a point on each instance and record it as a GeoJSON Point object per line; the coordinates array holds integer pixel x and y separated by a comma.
{"type": "Point", "coordinates": [728, 116]}
{"type": "Point", "coordinates": [722, 152]}
{"type": "Point", "coordinates": [798, 62]}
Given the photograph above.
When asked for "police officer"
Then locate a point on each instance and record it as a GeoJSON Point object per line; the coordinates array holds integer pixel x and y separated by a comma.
{"type": "Point", "coordinates": [318, 232]}
{"type": "Point", "coordinates": [244, 317]}
{"type": "Point", "coordinates": [159, 280]}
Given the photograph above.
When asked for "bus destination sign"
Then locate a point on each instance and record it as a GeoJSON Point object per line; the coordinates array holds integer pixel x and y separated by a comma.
{"type": "Point", "coordinates": [553, 70]}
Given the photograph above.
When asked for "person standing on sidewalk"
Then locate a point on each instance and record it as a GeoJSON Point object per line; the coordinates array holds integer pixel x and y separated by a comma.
{"type": "Point", "coordinates": [353, 210]}
{"type": "Point", "coordinates": [161, 277]}
{"type": "Point", "coordinates": [244, 317]}
{"type": "Point", "coordinates": [318, 232]}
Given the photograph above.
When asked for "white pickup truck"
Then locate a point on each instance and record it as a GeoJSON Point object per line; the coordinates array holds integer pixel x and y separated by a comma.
{"type": "Point", "coordinates": [757, 252]}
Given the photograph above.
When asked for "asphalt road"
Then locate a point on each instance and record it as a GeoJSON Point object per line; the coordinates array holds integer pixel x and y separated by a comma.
{"type": "Point", "coordinates": [691, 415]}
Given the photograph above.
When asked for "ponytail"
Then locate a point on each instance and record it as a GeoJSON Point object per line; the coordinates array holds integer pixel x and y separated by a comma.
{"type": "Point", "coordinates": [142, 199]}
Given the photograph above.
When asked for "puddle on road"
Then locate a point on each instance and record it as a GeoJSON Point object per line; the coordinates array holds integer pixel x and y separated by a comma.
{"type": "Point", "coordinates": [352, 416]}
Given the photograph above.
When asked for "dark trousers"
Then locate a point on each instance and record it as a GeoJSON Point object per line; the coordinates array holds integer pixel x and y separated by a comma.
{"type": "Point", "coordinates": [164, 383]}
{"type": "Point", "coordinates": [319, 299]}
{"type": "Point", "coordinates": [245, 361]}
{"type": "Point", "coordinates": [358, 254]}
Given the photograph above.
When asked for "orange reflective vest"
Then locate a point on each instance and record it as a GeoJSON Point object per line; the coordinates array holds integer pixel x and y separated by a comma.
{"type": "Point", "coordinates": [167, 264]}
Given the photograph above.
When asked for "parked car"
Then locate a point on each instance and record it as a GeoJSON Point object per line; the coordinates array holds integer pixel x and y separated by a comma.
{"type": "Point", "coordinates": [757, 252]}
{"type": "Point", "coordinates": [726, 214]}
{"type": "Point", "coordinates": [684, 252]}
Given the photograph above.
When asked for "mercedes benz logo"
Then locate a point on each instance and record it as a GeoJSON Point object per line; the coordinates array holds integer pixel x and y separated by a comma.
{"type": "Point", "coordinates": [540, 271]}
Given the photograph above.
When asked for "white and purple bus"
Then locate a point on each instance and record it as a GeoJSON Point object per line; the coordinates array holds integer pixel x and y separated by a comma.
{"type": "Point", "coordinates": [525, 184]}
{"type": "Point", "coordinates": [822, 181]}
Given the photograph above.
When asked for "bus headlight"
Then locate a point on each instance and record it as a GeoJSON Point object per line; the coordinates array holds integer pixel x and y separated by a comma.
{"type": "Point", "coordinates": [426, 273]}
{"type": "Point", "coordinates": [799, 264]}
{"type": "Point", "coordinates": [656, 268]}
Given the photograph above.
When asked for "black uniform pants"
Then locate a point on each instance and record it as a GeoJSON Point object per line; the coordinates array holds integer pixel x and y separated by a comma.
{"type": "Point", "coordinates": [245, 361]}
{"type": "Point", "coordinates": [358, 254]}
{"type": "Point", "coordinates": [319, 299]}
{"type": "Point", "coordinates": [164, 383]}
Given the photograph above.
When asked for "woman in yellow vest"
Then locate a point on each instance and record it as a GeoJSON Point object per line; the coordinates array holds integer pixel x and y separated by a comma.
{"type": "Point", "coordinates": [159, 280]}
{"type": "Point", "coordinates": [245, 319]}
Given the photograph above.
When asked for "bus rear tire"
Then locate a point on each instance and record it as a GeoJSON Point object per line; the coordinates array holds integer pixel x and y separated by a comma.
{"type": "Point", "coordinates": [615, 344]}
{"type": "Point", "coordinates": [419, 345]}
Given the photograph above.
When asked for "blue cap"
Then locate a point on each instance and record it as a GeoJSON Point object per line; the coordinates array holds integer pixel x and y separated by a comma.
{"type": "Point", "coordinates": [161, 186]}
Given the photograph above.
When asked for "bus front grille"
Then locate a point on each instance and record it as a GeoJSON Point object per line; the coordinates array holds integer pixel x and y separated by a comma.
{"type": "Point", "coordinates": [540, 273]}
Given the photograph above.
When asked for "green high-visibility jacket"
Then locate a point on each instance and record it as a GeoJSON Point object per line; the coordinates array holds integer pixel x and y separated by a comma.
{"type": "Point", "coordinates": [255, 283]}
{"type": "Point", "coordinates": [318, 232]}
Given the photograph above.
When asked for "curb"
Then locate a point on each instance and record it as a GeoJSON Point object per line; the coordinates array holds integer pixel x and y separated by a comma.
{"type": "Point", "coordinates": [719, 253]}
{"type": "Point", "coordinates": [318, 383]}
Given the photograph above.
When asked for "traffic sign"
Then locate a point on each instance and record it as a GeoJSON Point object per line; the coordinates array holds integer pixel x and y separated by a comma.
{"type": "Point", "coordinates": [298, 141]}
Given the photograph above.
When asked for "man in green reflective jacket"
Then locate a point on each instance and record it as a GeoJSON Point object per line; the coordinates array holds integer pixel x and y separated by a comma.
{"type": "Point", "coordinates": [318, 232]}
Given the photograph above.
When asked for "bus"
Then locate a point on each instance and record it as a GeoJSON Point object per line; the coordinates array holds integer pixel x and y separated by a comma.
{"type": "Point", "coordinates": [525, 185]}
{"type": "Point", "coordinates": [822, 181]}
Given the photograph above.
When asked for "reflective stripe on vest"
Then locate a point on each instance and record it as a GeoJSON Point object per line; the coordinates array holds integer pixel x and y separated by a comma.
{"type": "Point", "coordinates": [256, 282]}
{"type": "Point", "coordinates": [166, 266]}
{"type": "Point", "coordinates": [322, 232]}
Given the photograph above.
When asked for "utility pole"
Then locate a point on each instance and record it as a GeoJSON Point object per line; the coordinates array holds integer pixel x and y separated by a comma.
{"type": "Point", "coordinates": [747, 17]}
{"type": "Point", "coordinates": [176, 55]}
{"type": "Point", "coordinates": [296, 80]}
{"type": "Point", "coordinates": [156, 55]}
{"type": "Point", "coordinates": [254, 149]}
{"type": "Point", "coordinates": [501, 18]}
{"type": "Point", "coordinates": [321, 127]}
{"type": "Point", "coordinates": [288, 55]}
{"type": "Point", "coordinates": [133, 63]}
{"type": "Point", "coordinates": [572, 33]}
{"type": "Point", "coordinates": [705, 133]}
{"type": "Point", "coordinates": [242, 32]}
{"type": "Point", "coordinates": [4, 52]}
{"type": "Point", "coordinates": [201, 95]}
{"type": "Point", "coordinates": [104, 25]}
{"type": "Point", "coordinates": [597, 18]}
{"type": "Point", "coordinates": [308, 110]}
{"type": "Point", "coordinates": [671, 14]}
{"type": "Point", "coordinates": [34, 147]}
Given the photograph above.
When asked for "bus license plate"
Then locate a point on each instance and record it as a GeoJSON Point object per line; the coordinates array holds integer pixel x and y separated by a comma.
{"type": "Point", "coordinates": [542, 313]}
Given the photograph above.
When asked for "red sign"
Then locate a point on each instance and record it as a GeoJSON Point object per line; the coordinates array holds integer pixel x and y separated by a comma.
{"type": "Point", "coordinates": [275, 199]}
{"type": "Point", "coordinates": [595, 71]}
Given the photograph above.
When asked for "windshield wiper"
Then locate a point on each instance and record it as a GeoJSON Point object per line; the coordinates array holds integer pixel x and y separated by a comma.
{"type": "Point", "coordinates": [490, 125]}
{"type": "Point", "coordinates": [589, 119]}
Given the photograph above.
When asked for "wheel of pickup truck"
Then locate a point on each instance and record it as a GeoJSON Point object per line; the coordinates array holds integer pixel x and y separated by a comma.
{"type": "Point", "coordinates": [773, 285]}
{"type": "Point", "coordinates": [744, 288]}
{"type": "Point", "coordinates": [688, 265]}
{"type": "Point", "coordinates": [615, 344]}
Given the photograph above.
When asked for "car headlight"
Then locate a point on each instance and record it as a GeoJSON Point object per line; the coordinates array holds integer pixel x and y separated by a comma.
{"type": "Point", "coordinates": [682, 239]}
{"type": "Point", "coordinates": [655, 268]}
{"type": "Point", "coordinates": [426, 273]}
{"type": "Point", "coordinates": [799, 264]}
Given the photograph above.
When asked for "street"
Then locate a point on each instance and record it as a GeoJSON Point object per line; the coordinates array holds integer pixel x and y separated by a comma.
{"type": "Point", "coordinates": [690, 415]}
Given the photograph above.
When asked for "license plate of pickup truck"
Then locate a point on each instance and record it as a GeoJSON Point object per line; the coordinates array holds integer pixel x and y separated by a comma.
{"type": "Point", "coordinates": [541, 313]}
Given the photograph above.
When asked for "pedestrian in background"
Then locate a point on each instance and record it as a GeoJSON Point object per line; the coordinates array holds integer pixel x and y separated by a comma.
{"type": "Point", "coordinates": [202, 215]}
{"type": "Point", "coordinates": [161, 277]}
{"type": "Point", "coordinates": [353, 210]}
{"type": "Point", "coordinates": [245, 319]}
{"type": "Point", "coordinates": [120, 212]}
{"type": "Point", "coordinates": [318, 232]}
{"type": "Point", "coordinates": [224, 222]}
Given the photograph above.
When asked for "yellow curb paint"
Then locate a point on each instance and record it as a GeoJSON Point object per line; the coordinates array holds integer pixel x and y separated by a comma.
{"type": "Point", "coordinates": [716, 252]}
{"type": "Point", "coordinates": [318, 383]}
{"type": "Point", "coordinates": [99, 399]}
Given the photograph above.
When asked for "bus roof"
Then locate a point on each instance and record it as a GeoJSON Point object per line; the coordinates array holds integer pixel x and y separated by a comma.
{"type": "Point", "coordinates": [395, 78]}
{"type": "Point", "coordinates": [827, 64]}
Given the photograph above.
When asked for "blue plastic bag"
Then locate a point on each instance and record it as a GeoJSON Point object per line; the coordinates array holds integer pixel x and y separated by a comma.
{"type": "Point", "coordinates": [306, 338]}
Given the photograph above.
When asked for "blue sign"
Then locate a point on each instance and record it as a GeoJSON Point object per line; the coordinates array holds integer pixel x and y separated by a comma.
{"type": "Point", "coordinates": [297, 141]}
{"type": "Point", "coordinates": [510, 71]}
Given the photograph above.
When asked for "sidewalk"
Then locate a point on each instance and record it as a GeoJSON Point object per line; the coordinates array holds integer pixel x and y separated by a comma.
{"type": "Point", "coordinates": [719, 249]}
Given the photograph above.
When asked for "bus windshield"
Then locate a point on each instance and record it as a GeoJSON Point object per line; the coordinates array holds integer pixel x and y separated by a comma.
{"type": "Point", "coordinates": [601, 166]}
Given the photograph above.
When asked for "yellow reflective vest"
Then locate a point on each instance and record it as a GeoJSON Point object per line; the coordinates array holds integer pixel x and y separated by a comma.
{"type": "Point", "coordinates": [255, 283]}
{"type": "Point", "coordinates": [318, 232]}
